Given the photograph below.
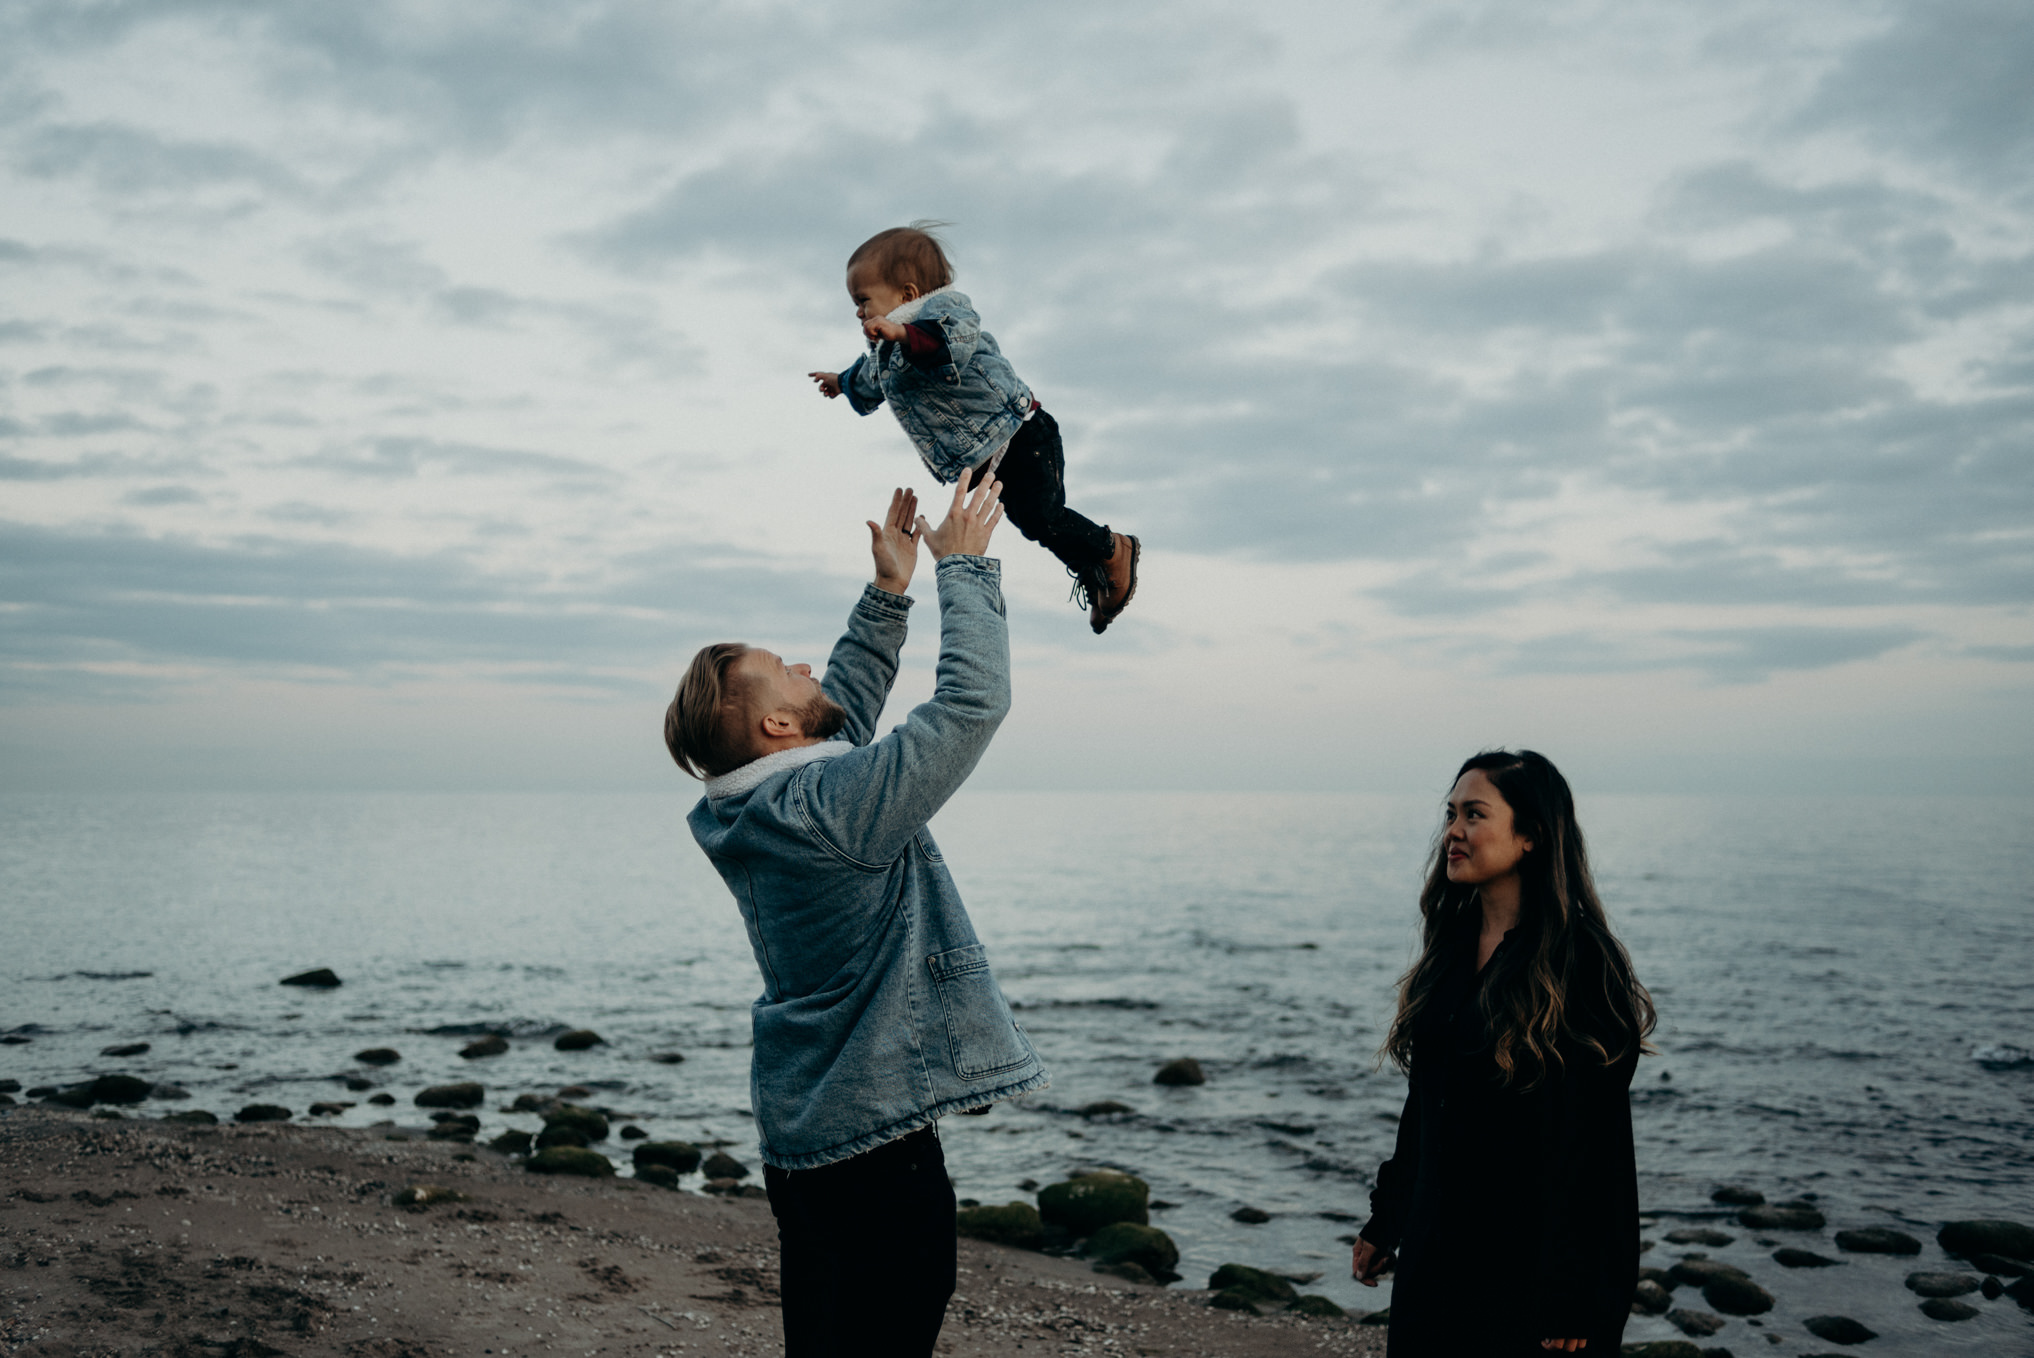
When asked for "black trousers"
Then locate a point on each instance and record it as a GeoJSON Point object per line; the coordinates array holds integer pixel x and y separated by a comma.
{"type": "Point", "coordinates": [1033, 473]}
{"type": "Point", "coordinates": [866, 1248]}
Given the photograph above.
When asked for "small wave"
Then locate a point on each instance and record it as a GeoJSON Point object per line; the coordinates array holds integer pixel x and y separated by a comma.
{"type": "Point", "coordinates": [517, 1028]}
{"type": "Point", "coordinates": [2002, 1056]}
{"type": "Point", "coordinates": [1114, 1002]}
{"type": "Point", "coordinates": [104, 975]}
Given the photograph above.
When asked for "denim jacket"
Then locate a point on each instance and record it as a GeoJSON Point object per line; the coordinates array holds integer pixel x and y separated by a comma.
{"type": "Point", "coordinates": [959, 413]}
{"type": "Point", "coordinates": [878, 1012]}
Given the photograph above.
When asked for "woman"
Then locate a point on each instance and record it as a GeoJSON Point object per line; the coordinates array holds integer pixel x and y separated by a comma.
{"type": "Point", "coordinates": [1510, 1205]}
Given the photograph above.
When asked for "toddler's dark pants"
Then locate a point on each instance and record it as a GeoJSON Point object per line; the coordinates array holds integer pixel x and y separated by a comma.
{"type": "Point", "coordinates": [867, 1251]}
{"type": "Point", "coordinates": [1033, 473]}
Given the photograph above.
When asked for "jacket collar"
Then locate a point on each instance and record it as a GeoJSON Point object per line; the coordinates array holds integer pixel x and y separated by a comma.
{"type": "Point", "coordinates": [752, 774]}
{"type": "Point", "coordinates": [908, 313]}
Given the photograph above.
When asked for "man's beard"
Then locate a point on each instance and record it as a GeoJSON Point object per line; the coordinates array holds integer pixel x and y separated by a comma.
{"type": "Point", "coordinates": [822, 718]}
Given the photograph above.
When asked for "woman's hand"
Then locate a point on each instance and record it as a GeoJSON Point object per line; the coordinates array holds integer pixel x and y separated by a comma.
{"type": "Point", "coordinates": [894, 542]}
{"type": "Point", "coordinates": [966, 527]}
{"type": "Point", "coordinates": [829, 384]}
{"type": "Point", "coordinates": [1367, 1261]}
{"type": "Point", "coordinates": [1564, 1345]}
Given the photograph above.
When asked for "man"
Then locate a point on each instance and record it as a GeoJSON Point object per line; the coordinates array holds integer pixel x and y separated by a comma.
{"type": "Point", "coordinates": [878, 1013]}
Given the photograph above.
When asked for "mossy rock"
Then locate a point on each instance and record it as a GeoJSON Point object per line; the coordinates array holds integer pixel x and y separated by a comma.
{"type": "Point", "coordinates": [1183, 1070]}
{"type": "Point", "coordinates": [1987, 1236]}
{"type": "Point", "coordinates": [1785, 1216]}
{"type": "Point", "coordinates": [511, 1143]}
{"type": "Point", "coordinates": [721, 1165]}
{"type": "Point", "coordinates": [1236, 1299]}
{"type": "Point", "coordinates": [1663, 1348]}
{"type": "Point", "coordinates": [378, 1056]}
{"type": "Point", "coordinates": [262, 1112]}
{"type": "Point", "coordinates": [578, 1040]}
{"type": "Point", "coordinates": [119, 1089]}
{"type": "Point", "coordinates": [1129, 1273]}
{"type": "Point", "coordinates": [196, 1117]}
{"type": "Point", "coordinates": [663, 1176]}
{"type": "Point", "coordinates": [494, 1044]}
{"type": "Point", "coordinates": [588, 1123]}
{"type": "Point", "coordinates": [1085, 1204]}
{"type": "Point", "coordinates": [680, 1157]}
{"type": "Point", "coordinates": [570, 1160]}
{"type": "Point", "coordinates": [564, 1134]}
{"type": "Point", "coordinates": [1015, 1224]}
{"type": "Point", "coordinates": [464, 1094]}
{"type": "Point", "coordinates": [1314, 1304]}
{"type": "Point", "coordinates": [1264, 1286]}
{"type": "Point", "coordinates": [1126, 1242]}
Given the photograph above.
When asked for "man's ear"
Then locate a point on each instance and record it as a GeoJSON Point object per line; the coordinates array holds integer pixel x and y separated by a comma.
{"type": "Point", "coordinates": [779, 723]}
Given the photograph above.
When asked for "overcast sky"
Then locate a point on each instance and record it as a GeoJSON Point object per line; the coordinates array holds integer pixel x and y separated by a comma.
{"type": "Point", "coordinates": [395, 394]}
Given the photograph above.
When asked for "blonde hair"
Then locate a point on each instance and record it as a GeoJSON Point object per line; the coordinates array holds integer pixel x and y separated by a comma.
{"type": "Point", "coordinates": [906, 255]}
{"type": "Point", "coordinates": [701, 722]}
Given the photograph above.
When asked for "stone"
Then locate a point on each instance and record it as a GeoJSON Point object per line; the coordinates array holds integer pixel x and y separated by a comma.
{"type": "Point", "coordinates": [321, 978]}
{"type": "Point", "coordinates": [1786, 1216]}
{"type": "Point", "coordinates": [15, 1040]}
{"type": "Point", "coordinates": [633, 1133]}
{"type": "Point", "coordinates": [1236, 1299]}
{"type": "Point", "coordinates": [1250, 1216]}
{"type": "Point", "coordinates": [1146, 1246]}
{"type": "Point", "coordinates": [455, 1128]}
{"type": "Point", "coordinates": [378, 1056]}
{"type": "Point", "coordinates": [1695, 1324]}
{"type": "Point", "coordinates": [2000, 1264]}
{"type": "Point", "coordinates": [1088, 1202]}
{"type": "Point", "coordinates": [355, 1084]}
{"type": "Point", "coordinates": [735, 1188]}
{"type": "Point", "coordinates": [1129, 1272]}
{"type": "Point", "coordinates": [1699, 1235]}
{"type": "Point", "coordinates": [124, 1049]}
{"type": "Point", "coordinates": [10, 1086]}
{"type": "Point", "coordinates": [1789, 1257]}
{"type": "Point", "coordinates": [162, 1089]}
{"type": "Point", "coordinates": [1737, 1297]}
{"type": "Point", "coordinates": [494, 1044]}
{"type": "Point", "coordinates": [1181, 1071]}
{"type": "Point", "coordinates": [571, 1092]}
{"type": "Point", "coordinates": [1375, 1317]}
{"type": "Point", "coordinates": [262, 1112]}
{"type": "Point", "coordinates": [1942, 1308]}
{"type": "Point", "coordinates": [721, 1165]}
{"type": "Point", "coordinates": [76, 1096]}
{"type": "Point", "coordinates": [41, 1092]}
{"type": "Point", "coordinates": [560, 1134]}
{"type": "Point", "coordinates": [1942, 1284]}
{"type": "Point", "coordinates": [586, 1122]}
{"type": "Point", "coordinates": [578, 1040]}
{"type": "Point", "coordinates": [196, 1117]}
{"type": "Point", "coordinates": [1650, 1299]}
{"type": "Point", "coordinates": [2022, 1291]}
{"type": "Point", "coordinates": [668, 1058]}
{"type": "Point", "coordinates": [1877, 1240]}
{"type": "Point", "coordinates": [382, 1100]}
{"type": "Point", "coordinates": [1313, 1304]}
{"type": "Point", "coordinates": [680, 1157]}
{"type": "Point", "coordinates": [512, 1142]}
{"type": "Point", "coordinates": [1657, 1275]}
{"type": "Point", "coordinates": [1839, 1329]}
{"type": "Point", "coordinates": [1105, 1108]}
{"type": "Point", "coordinates": [1700, 1272]}
{"type": "Point", "coordinates": [423, 1195]}
{"type": "Point", "coordinates": [465, 1094]}
{"type": "Point", "coordinates": [119, 1089]}
{"type": "Point", "coordinates": [1992, 1288]}
{"type": "Point", "coordinates": [530, 1103]}
{"type": "Point", "coordinates": [570, 1160]}
{"type": "Point", "coordinates": [1253, 1282]}
{"type": "Point", "coordinates": [1732, 1195]}
{"type": "Point", "coordinates": [1966, 1238]}
{"type": "Point", "coordinates": [1016, 1224]}
{"type": "Point", "coordinates": [328, 1110]}
{"type": "Point", "coordinates": [1662, 1348]}
{"type": "Point", "coordinates": [663, 1176]}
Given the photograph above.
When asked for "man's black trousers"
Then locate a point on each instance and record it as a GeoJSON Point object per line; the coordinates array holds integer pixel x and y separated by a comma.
{"type": "Point", "coordinates": [867, 1251]}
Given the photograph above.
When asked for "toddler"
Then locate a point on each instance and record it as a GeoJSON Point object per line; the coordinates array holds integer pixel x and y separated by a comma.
{"type": "Point", "coordinates": [967, 410]}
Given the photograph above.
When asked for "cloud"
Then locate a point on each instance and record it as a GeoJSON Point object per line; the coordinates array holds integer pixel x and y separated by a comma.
{"type": "Point", "coordinates": [1727, 655]}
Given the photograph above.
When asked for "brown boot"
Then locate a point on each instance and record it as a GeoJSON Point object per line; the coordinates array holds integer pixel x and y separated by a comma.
{"type": "Point", "coordinates": [1121, 570]}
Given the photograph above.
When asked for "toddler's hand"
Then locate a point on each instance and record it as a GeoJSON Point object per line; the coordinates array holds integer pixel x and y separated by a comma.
{"type": "Point", "coordinates": [881, 328]}
{"type": "Point", "coordinates": [829, 384]}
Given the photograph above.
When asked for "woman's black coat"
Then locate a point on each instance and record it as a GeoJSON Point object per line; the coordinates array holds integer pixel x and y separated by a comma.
{"type": "Point", "coordinates": [1514, 1214]}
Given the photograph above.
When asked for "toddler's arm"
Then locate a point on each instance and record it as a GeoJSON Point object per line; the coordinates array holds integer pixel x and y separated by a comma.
{"type": "Point", "coordinates": [829, 384]}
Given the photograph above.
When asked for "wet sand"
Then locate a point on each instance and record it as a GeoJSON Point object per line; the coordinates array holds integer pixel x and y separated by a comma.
{"type": "Point", "coordinates": [134, 1236]}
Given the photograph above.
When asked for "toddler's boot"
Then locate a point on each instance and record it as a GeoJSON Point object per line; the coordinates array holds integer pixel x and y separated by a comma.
{"type": "Point", "coordinates": [1115, 583]}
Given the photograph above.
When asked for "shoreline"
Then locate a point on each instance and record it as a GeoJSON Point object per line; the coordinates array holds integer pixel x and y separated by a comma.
{"type": "Point", "coordinates": [129, 1235]}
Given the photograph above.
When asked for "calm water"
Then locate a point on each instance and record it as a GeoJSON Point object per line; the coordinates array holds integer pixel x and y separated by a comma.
{"type": "Point", "coordinates": [1824, 971]}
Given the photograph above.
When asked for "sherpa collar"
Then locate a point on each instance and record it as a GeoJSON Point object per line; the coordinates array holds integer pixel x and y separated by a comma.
{"type": "Point", "coordinates": [908, 313]}
{"type": "Point", "coordinates": [751, 775]}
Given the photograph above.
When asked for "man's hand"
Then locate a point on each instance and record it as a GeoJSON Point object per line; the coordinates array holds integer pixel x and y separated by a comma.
{"type": "Point", "coordinates": [967, 526]}
{"type": "Point", "coordinates": [894, 542]}
{"type": "Point", "coordinates": [883, 328]}
{"type": "Point", "coordinates": [829, 384]}
{"type": "Point", "coordinates": [1367, 1261]}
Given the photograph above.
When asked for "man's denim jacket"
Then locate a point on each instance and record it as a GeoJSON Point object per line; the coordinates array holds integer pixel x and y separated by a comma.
{"type": "Point", "coordinates": [878, 1012]}
{"type": "Point", "coordinates": [958, 413]}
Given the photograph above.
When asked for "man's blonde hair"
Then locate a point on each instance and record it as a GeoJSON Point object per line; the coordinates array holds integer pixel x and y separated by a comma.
{"type": "Point", "coordinates": [702, 727]}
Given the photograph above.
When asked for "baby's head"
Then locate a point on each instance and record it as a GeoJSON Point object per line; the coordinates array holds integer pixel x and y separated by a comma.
{"type": "Point", "coordinates": [892, 267]}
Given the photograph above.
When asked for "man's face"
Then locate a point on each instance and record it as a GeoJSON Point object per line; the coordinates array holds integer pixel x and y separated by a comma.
{"type": "Point", "coordinates": [789, 691]}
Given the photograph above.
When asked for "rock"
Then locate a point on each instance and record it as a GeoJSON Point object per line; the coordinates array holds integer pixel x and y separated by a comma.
{"type": "Point", "coordinates": [1104, 1108]}
{"type": "Point", "coordinates": [1992, 1288]}
{"type": "Point", "coordinates": [382, 1100]}
{"type": "Point", "coordinates": [1250, 1216]}
{"type": "Point", "coordinates": [322, 978]}
{"type": "Point", "coordinates": [1966, 1238]}
{"type": "Point", "coordinates": [734, 1188]}
{"type": "Point", "coordinates": [721, 1165]}
{"type": "Point", "coordinates": [1375, 1317]}
{"type": "Point", "coordinates": [196, 1117]}
{"type": "Point", "coordinates": [456, 1128]}
{"type": "Point", "coordinates": [680, 1157]}
{"type": "Point", "coordinates": [1699, 1235]}
{"type": "Point", "coordinates": [1085, 1204]}
{"type": "Point", "coordinates": [494, 1044]}
{"type": "Point", "coordinates": [1839, 1329]}
{"type": "Point", "coordinates": [578, 1040]}
{"type": "Point", "coordinates": [14, 1040]}
{"type": "Point", "coordinates": [633, 1133]}
{"type": "Point", "coordinates": [466, 1094]}
{"type": "Point", "coordinates": [1657, 1275]}
{"type": "Point", "coordinates": [77, 1096]}
{"type": "Point", "coordinates": [1126, 1242]}
{"type": "Point", "coordinates": [2022, 1291]}
{"type": "Point", "coordinates": [1737, 1297]}
{"type": "Point", "coordinates": [668, 1058]}
{"type": "Point", "coordinates": [1253, 1282]}
{"type": "Point", "coordinates": [1942, 1308]}
{"type": "Point", "coordinates": [1016, 1224]}
{"type": "Point", "coordinates": [1999, 1263]}
{"type": "Point", "coordinates": [41, 1092]}
{"type": "Point", "coordinates": [328, 1110]}
{"type": "Point", "coordinates": [663, 1176]}
{"type": "Point", "coordinates": [1313, 1304]}
{"type": "Point", "coordinates": [162, 1089]}
{"type": "Point", "coordinates": [1700, 1272]}
{"type": "Point", "coordinates": [1236, 1299]}
{"type": "Point", "coordinates": [1650, 1299]}
{"type": "Point", "coordinates": [1695, 1324]}
{"type": "Point", "coordinates": [378, 1056]}
{"type": "Point", "coordinates": [423, 1195]}
{"type": "Point", "coordinates": [6, 1100]}
{"type": "Point", "coordinates": [1182, 1071]}
{"type": "Point", "coordinates": [585, 1121]}
{"type": "Point", "coordinates": [1128, 1271]}
{"type": "Point", "coordinates": [570, 1160]}
{"type": "Point", "coordinates": [119, 1089]}
{"type": "Point", "coordinates": [571, 1092]}
{"type": "Point", "coordinates": [10, 1086]}
{"type": "Point", "coordinates": [107, 1114]}
{"type": "Point", "coordinates": [1786, 1216]}
{"type": "Point", "coordinates": [1789, 1257]}
{"type": "Point", "coordinates": [562, 1134]}
{"type": "Point", "coordinates": [1877, 1240]}
{"type": "Point", "coordinates": [531, 1103]}
{"type": "Point", "coordinates": [1942, 1284]}
{"type": "Point", "coordinates": [262, 1112]}
{"type": "Point", "coordinates": [1731, 1195]}
{"type": "Point", "coordinates": [125, 1049]}
{"type": "Point", "coordinates": [511, 1143]}
{"type": "Point", "coordinates": [1662, 1348]}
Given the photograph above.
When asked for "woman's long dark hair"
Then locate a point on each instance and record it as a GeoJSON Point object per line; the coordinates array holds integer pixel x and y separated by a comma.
{"type": "Point", "coordinates": [1567, 981]}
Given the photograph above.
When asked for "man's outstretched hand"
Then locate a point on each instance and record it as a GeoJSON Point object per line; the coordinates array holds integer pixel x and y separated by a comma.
{"type": "Point", "coordinates": [968, 523]}
{"type": "Point", "coordinates": [894, 542]}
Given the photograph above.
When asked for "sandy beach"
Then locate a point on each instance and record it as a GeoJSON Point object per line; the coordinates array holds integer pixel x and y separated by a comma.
{"type": "Point", "coordinates": [135, 1236]}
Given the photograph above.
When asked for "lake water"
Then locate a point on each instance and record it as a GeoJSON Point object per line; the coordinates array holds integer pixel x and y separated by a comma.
{"type": "Point", "coordinates": [1824, 971]}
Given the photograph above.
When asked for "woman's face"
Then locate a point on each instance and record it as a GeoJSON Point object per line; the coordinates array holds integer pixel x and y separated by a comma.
{"type": "Point", "coordinates": [1481, 844]}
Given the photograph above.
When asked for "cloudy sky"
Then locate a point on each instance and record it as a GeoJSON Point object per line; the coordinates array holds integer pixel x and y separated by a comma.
{"type": "Point", "coordinates": [395, 394]}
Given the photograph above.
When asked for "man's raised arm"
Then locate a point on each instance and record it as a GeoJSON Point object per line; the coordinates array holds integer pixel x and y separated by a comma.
{"type": "Point", "coordinates": [864, 661]}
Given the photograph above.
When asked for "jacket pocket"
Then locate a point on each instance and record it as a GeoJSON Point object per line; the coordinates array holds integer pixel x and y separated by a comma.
{"type": "Point", "coordinates": [981, 1032]}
